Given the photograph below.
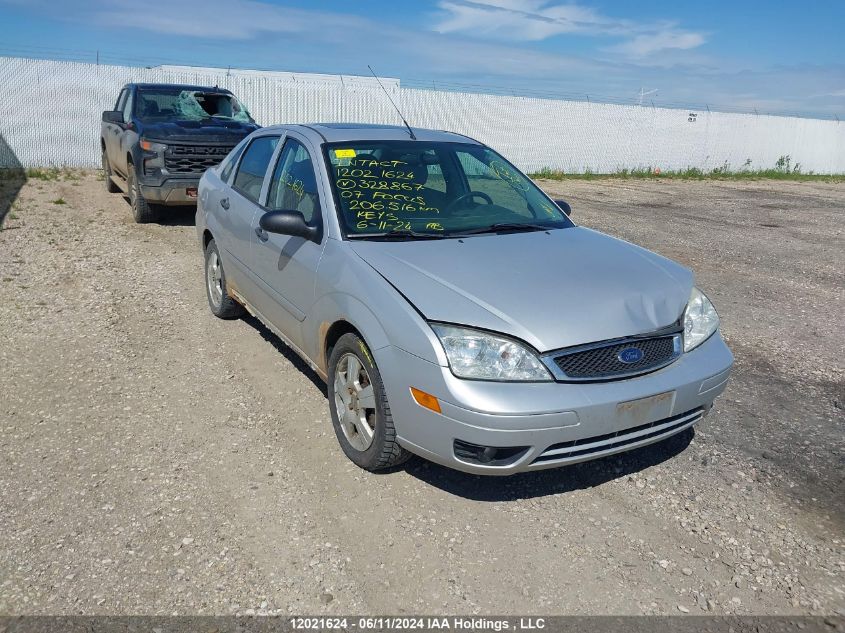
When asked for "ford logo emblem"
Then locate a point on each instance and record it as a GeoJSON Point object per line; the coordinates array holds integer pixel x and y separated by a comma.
{"type": "Point", "coordinates": [630, 355]}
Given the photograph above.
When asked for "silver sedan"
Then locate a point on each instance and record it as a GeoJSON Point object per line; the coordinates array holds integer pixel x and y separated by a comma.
{"type": "Point", "coordinates": [454, 310]}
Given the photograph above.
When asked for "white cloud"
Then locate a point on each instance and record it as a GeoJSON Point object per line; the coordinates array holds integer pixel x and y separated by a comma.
{"type": "Point", "coordinates": [648, 44]}
{"type": "Point", "coordinates": [208, 19]}
{"type": "Point", "coordinates": [532, 20]}
{"type": "Point", "coordinates": [518, 20]}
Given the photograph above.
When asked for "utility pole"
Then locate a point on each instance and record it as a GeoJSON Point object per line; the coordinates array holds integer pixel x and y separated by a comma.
{"type": "Point", "coordinates": [644, 92]}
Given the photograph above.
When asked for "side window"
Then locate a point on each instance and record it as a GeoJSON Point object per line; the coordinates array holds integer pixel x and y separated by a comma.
{"type": "Point", "coordinates": [121, 99]}
{"type": "Point", "coordinates": [436, 181]}
{"type": "Point", "coordinates": [496, 179]}
{"type": "Point", "coordinates": [231, 161]}
{"type": "Point", "coordinates": [294, 184]}
{"type": "Point", "coordinates": [253, 166]}
{"type": "Point", "coordinates": [127, 108]}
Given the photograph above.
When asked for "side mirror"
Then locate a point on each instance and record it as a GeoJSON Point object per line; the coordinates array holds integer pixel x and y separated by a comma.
{"type": "Point", "coordinates": [289, 223]}
{"type": "Point", "coordinates": [113, 116]}
{"type": "Point", "coordinates": [564, 206]}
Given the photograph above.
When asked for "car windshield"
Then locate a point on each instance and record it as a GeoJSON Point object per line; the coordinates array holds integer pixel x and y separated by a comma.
{"type": "Point", "coordinates": [420, 189]}
{"type": "Point", "coordinates": [191, 105]}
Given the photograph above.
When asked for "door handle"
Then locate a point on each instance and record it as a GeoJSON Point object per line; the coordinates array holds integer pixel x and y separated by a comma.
{"type": "Point", "coordinates": [224, 202]}
{"type": "Point", "coordinates": [262, 234]}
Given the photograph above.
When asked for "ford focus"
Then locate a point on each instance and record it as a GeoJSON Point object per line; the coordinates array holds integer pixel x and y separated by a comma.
{"type": "Point", "coordinates": [454, 310]}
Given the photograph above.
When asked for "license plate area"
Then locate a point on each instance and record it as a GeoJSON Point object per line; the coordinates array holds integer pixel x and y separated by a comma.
{"type": "Point", "coordinates": [191, 192]}
{"type": "Point", "coordinates": [645, 410]}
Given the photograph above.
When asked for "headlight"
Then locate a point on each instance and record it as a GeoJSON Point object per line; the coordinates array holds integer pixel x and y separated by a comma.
{"type": "Point", "coordinates": [152, 146]}
{"type": "Point", "coordinates": [485, 356]}
{"type": "Point", "coordinates": [700, 320]}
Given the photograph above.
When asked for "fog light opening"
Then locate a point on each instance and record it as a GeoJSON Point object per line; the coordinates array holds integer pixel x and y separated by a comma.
{"type": "Point", "coordinates": [488, 455]}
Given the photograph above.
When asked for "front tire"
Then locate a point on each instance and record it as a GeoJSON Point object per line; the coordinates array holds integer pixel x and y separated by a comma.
{"type": "Point", "coordinates": [358, 404]}
{"type": "Point", "coordinates": [221, 304]}
{"type": "Point", "coordinates": [142, 211]}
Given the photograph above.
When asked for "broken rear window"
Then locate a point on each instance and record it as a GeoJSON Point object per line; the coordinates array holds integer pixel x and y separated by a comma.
{"type": "Point", "coordinates": [192, 105]}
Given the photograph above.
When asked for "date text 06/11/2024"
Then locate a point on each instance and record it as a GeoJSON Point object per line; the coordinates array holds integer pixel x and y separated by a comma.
{"type": "Point", "coordinates": [411, 623]}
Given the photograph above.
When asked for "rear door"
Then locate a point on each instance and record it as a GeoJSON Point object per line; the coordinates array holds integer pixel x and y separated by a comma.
{"type": "Point", "coordinates": [285, 266]}
{"type": "Point", "coordinates": [237, 211]}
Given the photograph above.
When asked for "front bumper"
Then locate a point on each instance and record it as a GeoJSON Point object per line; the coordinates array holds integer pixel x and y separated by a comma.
{"type": "Point", "coordinates": [553, 424]}
{"type": "Point", "coordinates": [172, 191]}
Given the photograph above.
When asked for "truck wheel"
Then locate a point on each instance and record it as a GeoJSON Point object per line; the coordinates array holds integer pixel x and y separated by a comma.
{"type": "Point", "coordinates": [221, 304]}
{"type": "Point", "coordinates": [110, 186]}
{"type": "Point", "coordinates": [142, 210]}
{"type": "Point", "coordinates": [358, 405]}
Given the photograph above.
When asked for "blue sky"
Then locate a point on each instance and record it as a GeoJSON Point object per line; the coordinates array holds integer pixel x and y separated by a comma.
{"type": "Point", "coordinates": [775, 56]}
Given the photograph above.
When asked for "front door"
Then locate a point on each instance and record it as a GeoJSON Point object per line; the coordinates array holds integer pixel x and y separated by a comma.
{"type": "Point", "coordinates": [112, 132]}
{"type": "Point", "coordinates": [285, 266]}
{"type": "Point", "coordinates": [126, 137]}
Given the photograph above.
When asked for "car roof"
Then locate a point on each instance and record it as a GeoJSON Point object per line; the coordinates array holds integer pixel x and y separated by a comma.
{"type": "Point", "coordinates": [340, 132]}
{"type": "Point", "coordinates": [183, 87]}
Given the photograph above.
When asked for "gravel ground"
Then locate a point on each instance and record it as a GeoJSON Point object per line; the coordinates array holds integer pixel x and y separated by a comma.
{"type": "Point", "coordinates": [156, 460]}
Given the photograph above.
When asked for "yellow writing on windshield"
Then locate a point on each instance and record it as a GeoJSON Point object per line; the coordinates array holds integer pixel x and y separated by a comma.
{"type": "Point", "coordinates": [510, 176]}
{"type": "Point", "coordinates": [385, 193]}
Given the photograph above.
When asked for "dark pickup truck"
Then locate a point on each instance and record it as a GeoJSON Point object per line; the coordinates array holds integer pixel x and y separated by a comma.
{"type": "Point", "coordinates": [160, 138]}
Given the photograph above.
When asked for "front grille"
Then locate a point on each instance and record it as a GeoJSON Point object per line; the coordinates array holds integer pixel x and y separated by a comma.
{"type": "Point", "coordinates": [194, 159]}
{"type": "Point", "coordinates": [614, 441]}
{"type": "Point", "coordinates": [602, 362]}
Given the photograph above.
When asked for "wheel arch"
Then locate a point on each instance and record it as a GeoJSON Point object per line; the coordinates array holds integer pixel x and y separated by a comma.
{"type": "Point", "coordinates": [340, 314]}
{"type": "Point", "coordinates": [332, 336]}
{"type": "Point", "coordinates": [206, 239]}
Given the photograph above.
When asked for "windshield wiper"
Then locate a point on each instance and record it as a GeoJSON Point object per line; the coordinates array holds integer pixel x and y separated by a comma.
{"type": "Point", "coordinates": [505, 226]}
{"type": "Point", "coordinates": [398, 234]}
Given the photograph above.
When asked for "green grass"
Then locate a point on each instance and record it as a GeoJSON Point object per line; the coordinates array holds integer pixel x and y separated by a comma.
{"type": "Point", "coordinates": [40, 173]}
{"type": "Point", "coordinates": [52, 173]}
{"type": "Point", "coordinates": [783, 170]}
{"type": "Point", "coordinates": [59, 201]}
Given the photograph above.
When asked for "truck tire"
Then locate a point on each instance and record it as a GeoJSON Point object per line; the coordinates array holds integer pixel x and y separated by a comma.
{"type": "Point", "coordinates": [110, 186]}
{"type": "Point", "coordinates": [359, 409]}
{"type": "Point", "coordinates": [221, 304]}
{"type": "Point", "coordinates": [142, 210]}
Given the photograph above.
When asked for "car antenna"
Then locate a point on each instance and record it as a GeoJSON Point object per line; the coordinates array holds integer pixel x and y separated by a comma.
{"type": "Point", "coordinates": [410, 131]}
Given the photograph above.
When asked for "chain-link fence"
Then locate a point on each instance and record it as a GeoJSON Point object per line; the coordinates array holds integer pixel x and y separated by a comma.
{"type": "Point", "coordinates": [50, 115]}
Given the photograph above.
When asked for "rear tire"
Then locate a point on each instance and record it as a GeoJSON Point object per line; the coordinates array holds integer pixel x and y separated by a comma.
{"type": "Point", "coordinates": [110, 186]}
{"type": "Point", "coordinates": [359, 409]}
{"type": "Point", "coordinates": [221, 304]}
{"type": "Point", "coordinates": [142, 211]}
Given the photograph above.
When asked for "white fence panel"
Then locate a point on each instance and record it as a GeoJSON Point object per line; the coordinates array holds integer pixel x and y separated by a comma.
{"type": "Point", "coordinates": [50, 115]}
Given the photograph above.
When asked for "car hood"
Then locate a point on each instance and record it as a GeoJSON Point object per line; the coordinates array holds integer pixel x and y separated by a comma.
{"type": "Point", "coordinates": [551, 289]}
{"type": "Point", "coordinates": [207, 130]}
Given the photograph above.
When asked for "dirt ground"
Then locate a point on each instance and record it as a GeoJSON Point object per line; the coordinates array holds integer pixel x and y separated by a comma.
{"type": "Point", "coordinates": [156, 460]}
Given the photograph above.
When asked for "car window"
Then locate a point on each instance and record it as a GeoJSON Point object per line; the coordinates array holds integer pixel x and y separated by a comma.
{"type": "Point", "coordinates": [503, 184]}
{"type": "Point", "coordinates": [121, 99]}
{"type": "Point", "coordinates": [253, 166]}
{"type": "Point", "coordinates": [191, 105]}
{"type": "Point", "coordinates": [433, 187]}
{"type": "Point", "coordinates": [231, 160]}
{"type": "Point", "coordinates": [294, 183]}
{"type": "Point", "coordinates": [127, 108]}
{"type": "Point", "coordinates": [436, 180]}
